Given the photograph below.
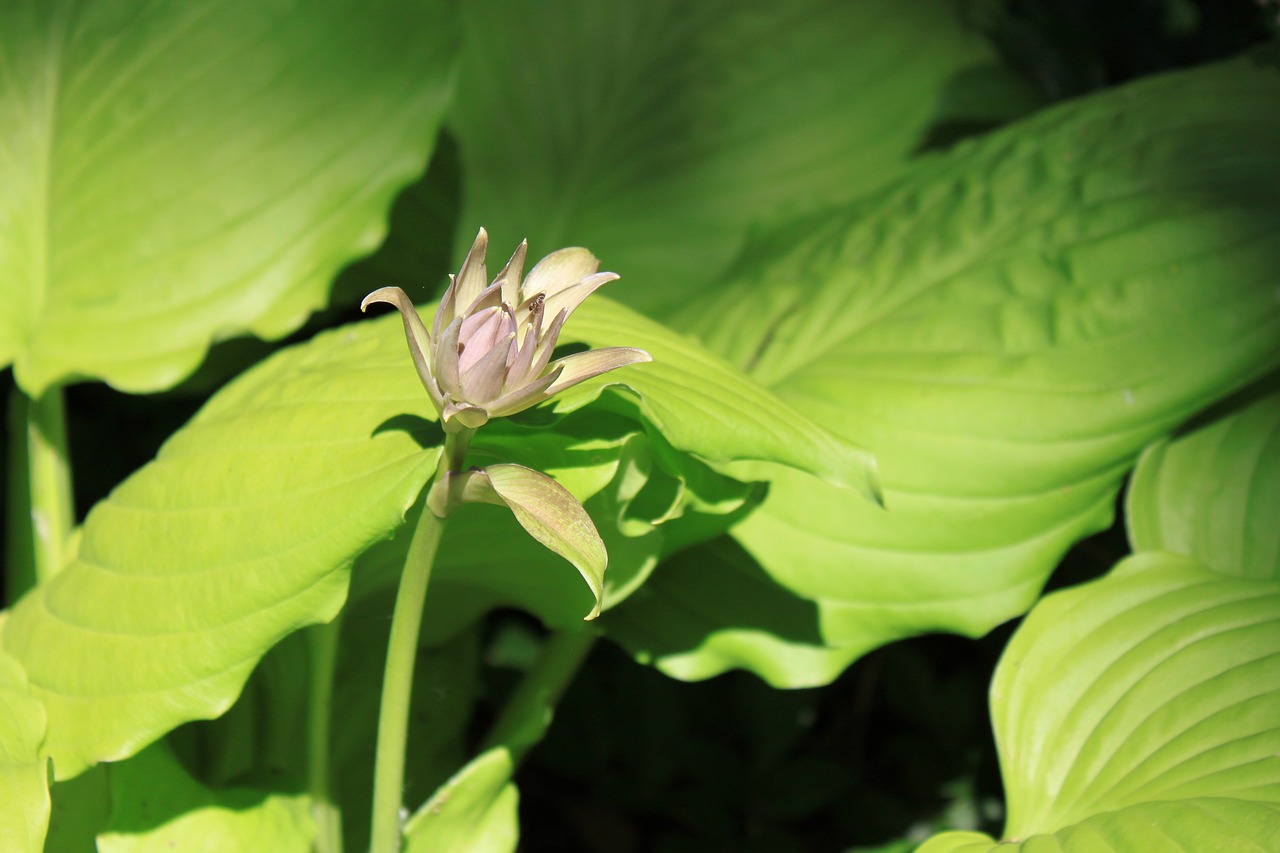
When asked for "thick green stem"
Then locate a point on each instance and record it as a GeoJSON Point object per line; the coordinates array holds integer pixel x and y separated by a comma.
{"type": "Point", "coordinates": [397, 683]}
{"type": "Point", "coordinates": [41, 509]}
{"type": "Point", "coordinates": [528, 712]}
{"type": "Point", "coordinates": [322, 647]}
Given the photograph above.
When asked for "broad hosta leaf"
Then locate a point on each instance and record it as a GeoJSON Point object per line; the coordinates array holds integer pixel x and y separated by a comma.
{"type": "Point", "coordinates": [474, 812]}
{"type": "Point", "coordinates": [243, 528]}
{"type": "Point", "coordinates": [24, 788]}
{"type": "Point", "coordinates": [1008, 327]}
{"type": "Point", "coordinates": [157, 806]}
{"type": "Point", "coordinates": [1214, 494]}
{"type": "Point", "coordinates": [1143, 708]}
{"type": "Point", "coordinates": [695, 121]}
{"type": "Point", "coordinates": [176, 173]}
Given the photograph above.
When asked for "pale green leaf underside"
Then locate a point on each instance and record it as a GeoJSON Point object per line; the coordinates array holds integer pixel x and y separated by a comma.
{"type": "Point", "coordinates": [242, 530]}
{"type": "Point", "coordinates": [474, 812]}
{"type": "Point", "coordinates": [1007, 327]}
{"type": "Point", "coordinates": [1160, 682]}
{"type": "Point", "coordinates": [177, 173]}
{"type": "Point", "coordinates": [696, 122]}
{"type": "Point", "coordinates": [24, 788]}
{"type": "Point", "coordinates": [158, 807]}
{"type": "Point", "coordinates": [1214, 494]}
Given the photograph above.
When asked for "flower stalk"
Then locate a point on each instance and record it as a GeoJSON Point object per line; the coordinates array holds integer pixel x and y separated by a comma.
{"type": "Point", "coordinates": [487, 355]}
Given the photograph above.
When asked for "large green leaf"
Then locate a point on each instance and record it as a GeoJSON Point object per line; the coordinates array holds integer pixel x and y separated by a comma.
{"type": "Point", "coordinates": [24, 787]}
{"type": "Point", "coordinates": [1143, 711]}
{"type": "Point", "coordinates": [176, 173]}
{"type": "Point", "coordinates": [157, 806]}
{"type": "Point", "coordinates": [1214, 494]}
{"type": "Point", "coordinates": [244, 527]}
{"type": "Point", "coordinates": [658, 133]}
{"type": "Point", "coordinates": [1007, 327]}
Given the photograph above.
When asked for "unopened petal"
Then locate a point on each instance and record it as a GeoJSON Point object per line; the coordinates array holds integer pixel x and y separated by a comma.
{"type": "Point", "coordinates": [509, 278]}
{"type": "Point", "coordinates": [472, 278]}
{"type": "Point", "coordinates": [582, 366]}
{"type": "Point", "coordinates": [479, 333]}
{"type": "Point", "coordinates": [446, 359]}
{"type": "Point", "coordinates": [482, 380]}
{"type": "Point", "coordinates": [559, 270]}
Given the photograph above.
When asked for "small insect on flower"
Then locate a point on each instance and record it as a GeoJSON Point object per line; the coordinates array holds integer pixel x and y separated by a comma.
{"type": "Point", "coordinates": [488, 353]}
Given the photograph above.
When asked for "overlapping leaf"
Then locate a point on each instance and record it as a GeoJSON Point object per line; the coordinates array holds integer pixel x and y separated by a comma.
{"type": "Point", "coordinates": [1214, 494]}
{"type": "Point", "coordinates": [243, 528]}
{"type": "Point", "coordinates": [657, 133]}
{"type": "Point", "coordinates": [176, 173]}
{"type": "Point", "coordinates": [1144, 710]}
{"type": "Point", "coordinates": [1007, 327]}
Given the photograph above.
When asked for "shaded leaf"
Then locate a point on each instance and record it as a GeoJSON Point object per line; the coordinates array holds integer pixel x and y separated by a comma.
{"type": "Point", "coordinates": [696, 122]}
{"type": "Point", "coordinates": [157, 806]}
{"type": "Point", "coordinates": [1214, 493]}
{"type": "Point", "coordinates": [180, 173]}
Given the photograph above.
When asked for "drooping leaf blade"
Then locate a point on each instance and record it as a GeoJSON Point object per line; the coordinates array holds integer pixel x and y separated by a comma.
{"type": "Point", "coordinates": [1214, 493]}
{"type": "Point", "coordinates": [1007, 327]}
{"type": "Point", "coordinates": [1145, 705]}
{"type": "Point", "coordinates": [180, 173]}
{"type": "Point", "coordinates": [550, 514]}
{"type": "Point", "coordinates": [697, 123]}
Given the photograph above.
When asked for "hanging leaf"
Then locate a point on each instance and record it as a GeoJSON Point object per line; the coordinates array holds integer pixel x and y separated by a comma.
{"type": "Point", "coordinates": [179, 173]}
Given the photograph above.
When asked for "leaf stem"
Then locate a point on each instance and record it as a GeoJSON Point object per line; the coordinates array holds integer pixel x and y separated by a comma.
{"type": "Point", "coordinates": [322, 647]}
{"type": "Point", "coordinates": [41, 508]}
{"type": "Point", "coordinates": [527, 714]}
{"type": "Point", "coordinates": [397, 683]}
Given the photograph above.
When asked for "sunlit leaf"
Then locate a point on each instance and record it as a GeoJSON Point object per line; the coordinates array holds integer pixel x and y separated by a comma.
{"type": "Point", "coordinates": [1214, 494]}
{"type": "Point", "coordinates": [1142, 711]}
{"type": "Point", "coordinates": [178, 173]}
{"type": "Point", "coordinates": [24, 786]}
{"type": "Point", "coordinates": [1007, 327]}
{"type": "Point", "coordinates": [697, 121]}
